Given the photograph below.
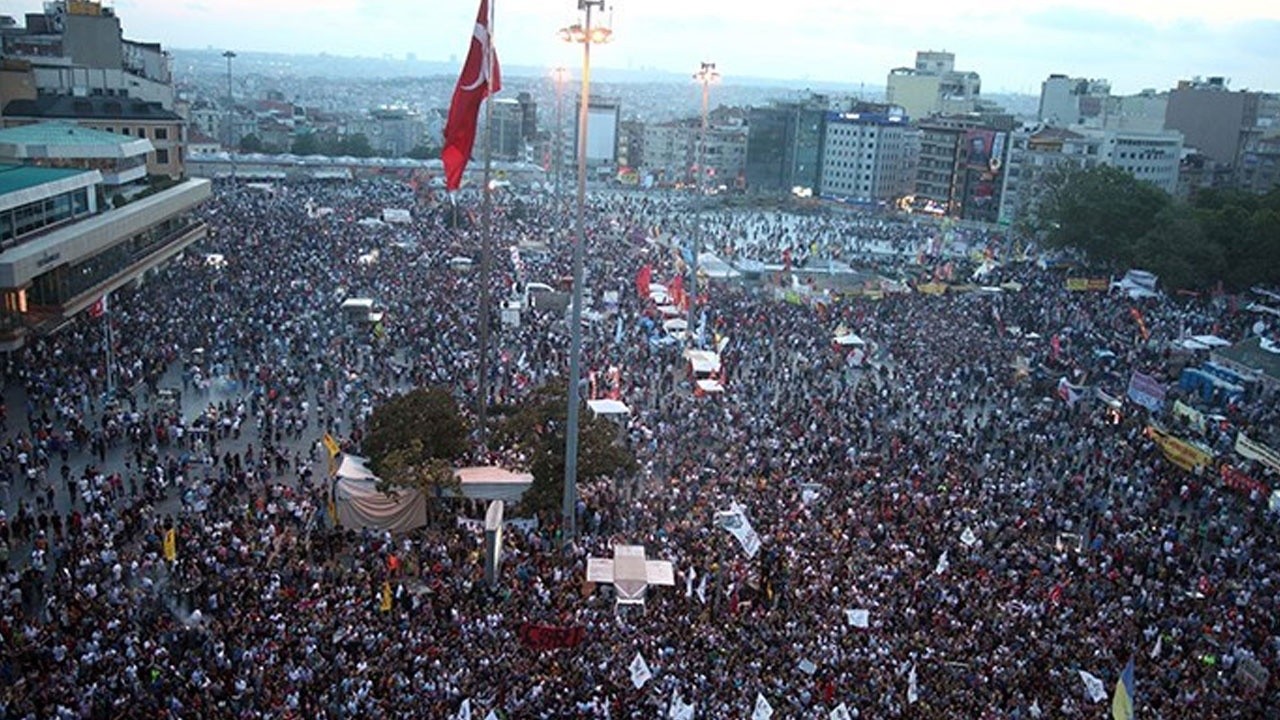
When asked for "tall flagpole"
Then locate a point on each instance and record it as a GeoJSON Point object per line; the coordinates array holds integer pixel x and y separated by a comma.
{"type": "Point", "coordinates": [111, 361]}
{"type": "Point", "coordinates": [482, 389]}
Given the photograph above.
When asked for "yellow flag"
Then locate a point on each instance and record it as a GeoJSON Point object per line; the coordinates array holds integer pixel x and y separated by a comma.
{"type": "Point", "coordinates": [331, 445]}
{"type": "Point", "coordinates": [386, 596]}
{"type": "Point", "coordinates": [171, 544]}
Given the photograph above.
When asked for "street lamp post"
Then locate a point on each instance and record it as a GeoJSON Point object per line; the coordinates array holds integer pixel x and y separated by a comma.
{"type": "Point", "coordinates": [706, 75]}
{"type": "Point", "coordinates": [561, 75]}
{"type": "Point", "coordinates": [586, 35]}
{"type": "Point", "coordinates": [229, 55]}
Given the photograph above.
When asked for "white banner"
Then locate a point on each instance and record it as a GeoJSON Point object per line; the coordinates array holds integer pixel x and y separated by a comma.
{"type": "Point", "coordinates": [1245, 447]}
{"type": "Point", "coordinates": [913, 689]}
{"type": "Point", "coordinates": [858, 618]}
{"type": "Point", "coordinates": [763, 710]}
{"type": "Point", "coordinates": [840, 713]}
{"type": "Point", "coordinates": [679, 709]}
{"type": "Point", "coordinates": [1093, 687]}
{"type": "Point", "coordinates": [943, 564]}
{"type": "Point", "coordinates": [735, 521]}
{"type": "Point", "coordinates": [640, 673]}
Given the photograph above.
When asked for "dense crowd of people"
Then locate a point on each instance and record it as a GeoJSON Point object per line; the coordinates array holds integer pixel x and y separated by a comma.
{"type": "Point", "coordinates": [167, 550]}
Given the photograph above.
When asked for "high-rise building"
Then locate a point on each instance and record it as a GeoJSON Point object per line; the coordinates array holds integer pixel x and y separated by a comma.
{"type": "Point", "coordinates": [1068, 101]}
{"type": "Point", "coordinates": [864, 157]}
{"type": "Point", "coordinates": [933, 86]}
{"type": "Point", "coordinates": [76, 47]}
{"type": "Point", "coordinates": [671, 149]}
{"type": "Point", "coordinates": [72, 63]}
{"type": "Point", "coordinates": [784, 144]}
{"type": "Point", "coordinates": [1214, 120]}
{"type": "Point", "coordinates": [508, 119]}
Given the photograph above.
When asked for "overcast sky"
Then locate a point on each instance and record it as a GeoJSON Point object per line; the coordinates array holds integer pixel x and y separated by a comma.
{"type": "Point", "coordinates": [1013, 44]}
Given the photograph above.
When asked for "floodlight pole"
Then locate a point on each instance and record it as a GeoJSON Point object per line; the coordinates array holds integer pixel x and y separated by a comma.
{"type": "Point", "coordinates": [569, 501]}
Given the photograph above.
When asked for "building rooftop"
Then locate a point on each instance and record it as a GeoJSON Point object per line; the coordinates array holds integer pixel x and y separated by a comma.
{"type": "Point", "coordinates": [67, 140]}
{"type": "Point", "coordinates": [14, 178]}
{"type": "Point", "coordinates": [89, 108]}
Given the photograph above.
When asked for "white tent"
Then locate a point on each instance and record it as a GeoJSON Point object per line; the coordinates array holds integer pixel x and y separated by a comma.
{"type": "Point", "coordinates": [710, 265]}
{"type": "Point", "coordinates": [608, 407]}
{"type": "Point", "coordinates": [703, 362]}
{"type": "Point", "coordinates": [490, 482]}
{"type": "Point", "coordinates": [710, 387]}
{"type": "Point", "coordinates": [630, 572]}
{"type": "Point", "coordinates": [360, 504]}
{"type": "Point", "coordinates": [396, 215]}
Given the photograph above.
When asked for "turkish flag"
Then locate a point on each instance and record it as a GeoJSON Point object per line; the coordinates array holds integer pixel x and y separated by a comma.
{"type": "Point", "coordinates": [474, 85]}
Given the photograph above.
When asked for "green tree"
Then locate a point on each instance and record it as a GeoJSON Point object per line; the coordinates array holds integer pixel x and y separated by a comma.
{"type": "Point", "coordinates": [412, 439]}
{"type": "Point", "coordinates": [356, 145]}
{"type": "Point", "coordinates": [305, 144]}
{"type": "Point", "coordinates": [251, 143]}
{"type": "Point", "coordinates": [537, 430]}
{"type": "Point", "coordinates": [423, 151]}
{"type": "Point", "coordinates": [1176, 250]}
{"type": "Point", "coordinates": [1103, 212]}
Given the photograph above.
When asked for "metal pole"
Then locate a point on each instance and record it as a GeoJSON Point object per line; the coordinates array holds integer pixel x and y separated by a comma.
{"type": "Point", "coordinates": [704, 74]}
{"type": "Point", "coordinates": [230, 115]}
{"type": "Point", "coordinates": [482, 384]}
{"type": "Point", "coordinates": [575, 314]}
{"type": "Point", "coordinates": [111, 361]}
{"type": "Point", "coordinates": [558, 157]}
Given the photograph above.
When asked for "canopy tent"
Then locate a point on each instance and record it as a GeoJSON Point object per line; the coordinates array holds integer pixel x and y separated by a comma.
{"type": "Point", "coordinates": [353, 467]}
{"type": "Point", "coordinates": [489, 482]}
{"type": "Point", "coordinates": [396, 215]}
{"type": "Point", "coordinates": [703, 362]}
{"type": "Point", "coordinates": [630, 572]}
{"type": "Point", "coordinates": [710, 265]}
{"type": "Point", "coordinates": [608, 407]}
{"type": "Point", "coordinates": [360, 504]}
{"type": "Point", "coordinates": [708, 387]}
{"type": "Point", "coordinates": [1202, 342]}
{"type": "Point", "coordinates": [849, 340]}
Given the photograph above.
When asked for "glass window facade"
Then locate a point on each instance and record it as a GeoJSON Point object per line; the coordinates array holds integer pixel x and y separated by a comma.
{"type": "Point", "coordinates": [24, 220]}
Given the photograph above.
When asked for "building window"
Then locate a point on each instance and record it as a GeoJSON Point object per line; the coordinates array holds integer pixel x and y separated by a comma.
{"type": "Point", "coordinates": [162, 156]}
{"type": "Point", "coordinates": [162, 133]}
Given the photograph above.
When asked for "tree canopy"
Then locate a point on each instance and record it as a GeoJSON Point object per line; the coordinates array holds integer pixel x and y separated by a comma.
{"type": "Point", "coordinates": [1119, 222]}
{"type": "Point", "coordinates": [412, 439]}
{"type": "Point", "coordinates": [537, 429]}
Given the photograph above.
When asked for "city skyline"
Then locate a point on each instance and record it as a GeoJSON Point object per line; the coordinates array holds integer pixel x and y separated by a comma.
{"type": "Point", "coordinates": [1144, 45]}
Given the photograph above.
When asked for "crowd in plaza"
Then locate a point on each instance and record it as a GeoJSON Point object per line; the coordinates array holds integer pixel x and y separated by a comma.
{"type": "Point", "coordinates": [176, 560]}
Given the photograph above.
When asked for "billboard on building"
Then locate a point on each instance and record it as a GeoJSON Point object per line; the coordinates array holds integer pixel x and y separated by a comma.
{"type": "Point", "coordinates": [602, 133]}
{"type": "Point", "coordinates": [978, 148]}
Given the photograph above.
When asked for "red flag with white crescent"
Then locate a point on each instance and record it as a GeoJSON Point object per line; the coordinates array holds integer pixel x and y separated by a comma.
{"type": "Point", "coordinates": [480, 77]}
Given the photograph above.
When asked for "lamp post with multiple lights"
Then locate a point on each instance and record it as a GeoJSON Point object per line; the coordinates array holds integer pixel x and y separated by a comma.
{"type": "Point", "coordinates": [707, 75]}
{"type": "Point", "coordinates": [587, 35]}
